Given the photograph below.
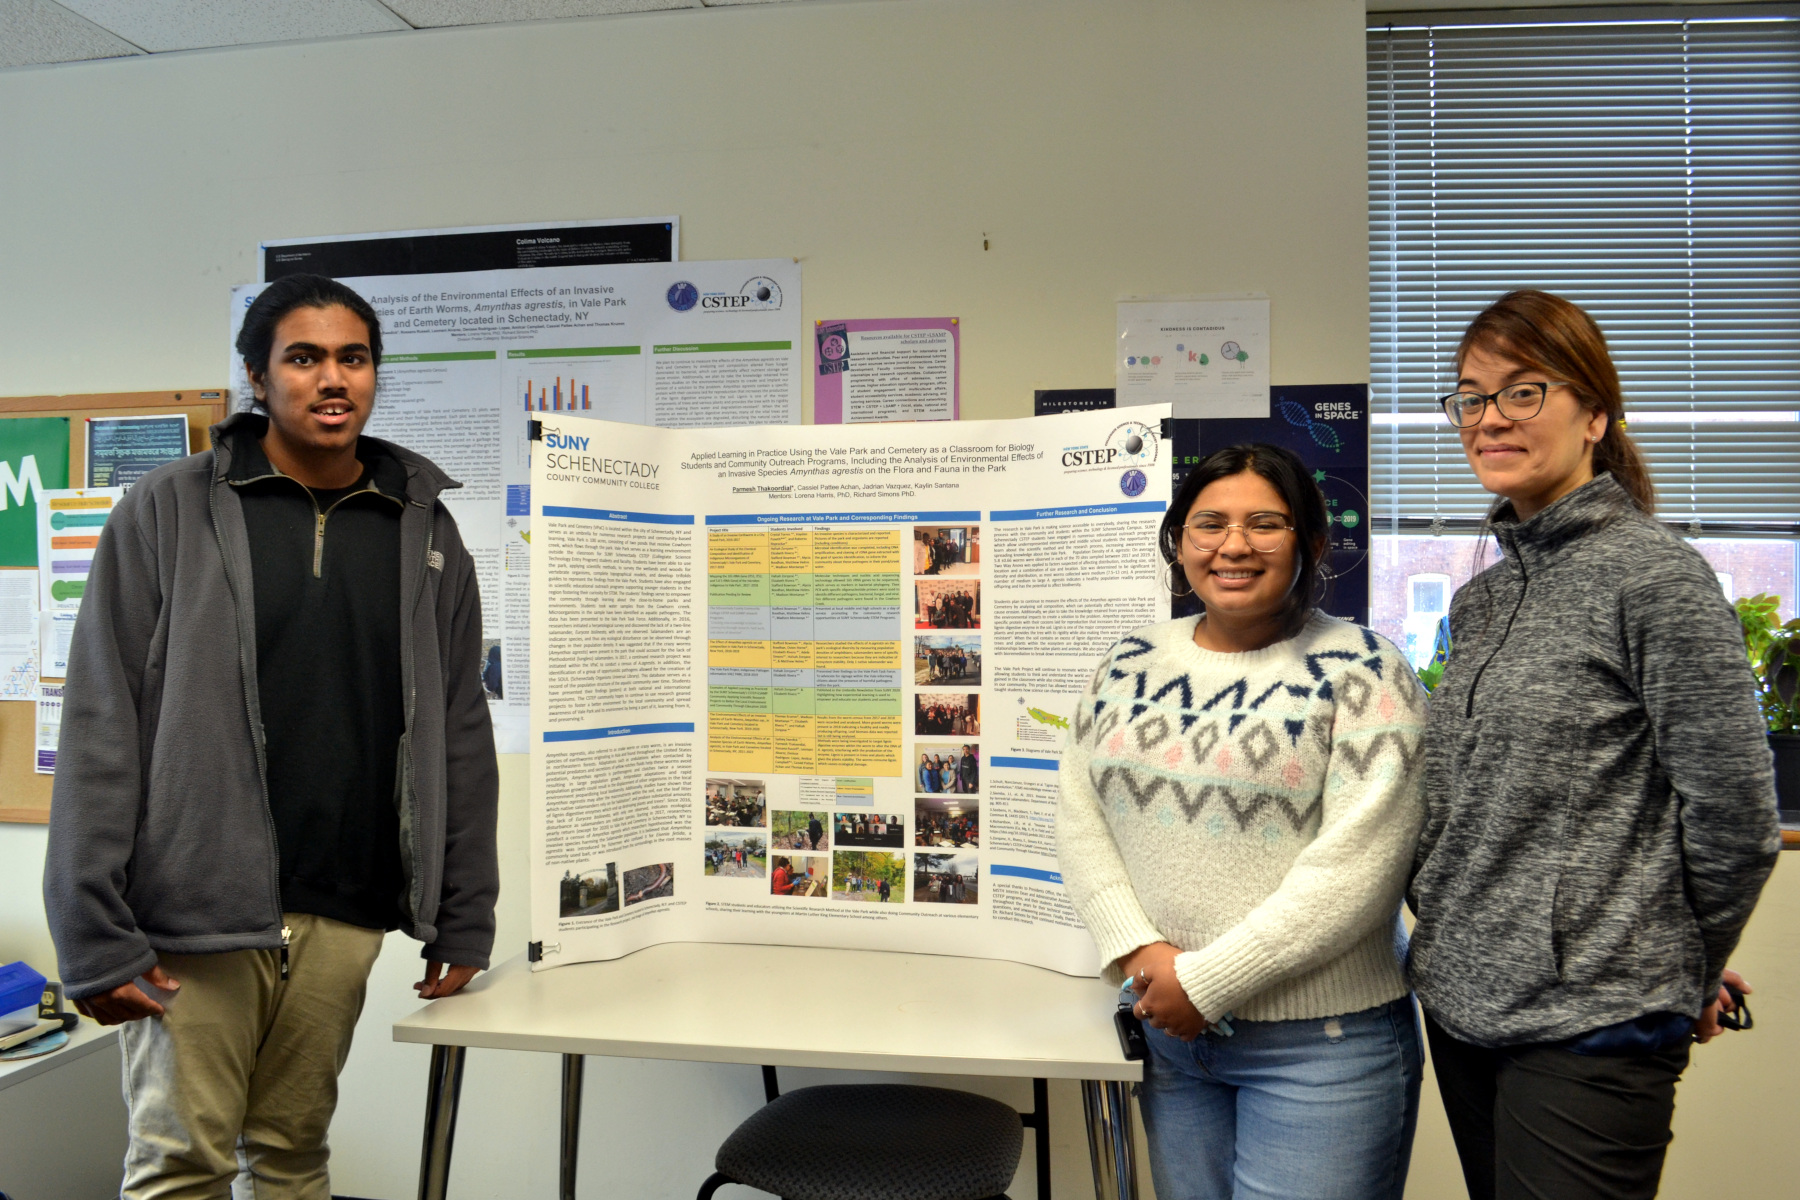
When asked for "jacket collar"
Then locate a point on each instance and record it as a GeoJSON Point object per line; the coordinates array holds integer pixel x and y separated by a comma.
{"type": "Point", "coordinates": [396, 471]}
{"type": "Point", "coordinates": [1539, 541]}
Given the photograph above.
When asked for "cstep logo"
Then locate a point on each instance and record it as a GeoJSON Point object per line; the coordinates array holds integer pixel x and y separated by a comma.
{"type": "Point", "coordinates": [1133, 444]}
{"type": "Point", "coordinates": [759, 294]}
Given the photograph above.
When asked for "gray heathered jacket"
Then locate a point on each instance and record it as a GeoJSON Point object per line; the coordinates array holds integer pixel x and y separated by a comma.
{"type": "Point", "coordinates": [1600, 796]}
{"type": "Point", "coordinates": [160, 832]}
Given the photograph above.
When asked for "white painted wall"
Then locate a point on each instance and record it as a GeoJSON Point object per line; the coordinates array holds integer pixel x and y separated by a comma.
{"type": "Point", "coordinates": [1103, 147]}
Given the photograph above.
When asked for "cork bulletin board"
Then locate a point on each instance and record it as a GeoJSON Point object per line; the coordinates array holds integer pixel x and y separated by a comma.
{"type": "Point", "coordinates": [25, 794]}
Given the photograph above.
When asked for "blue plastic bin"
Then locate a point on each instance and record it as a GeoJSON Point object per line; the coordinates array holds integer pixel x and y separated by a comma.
{"type": "Point", "coordinates": [20, 987]}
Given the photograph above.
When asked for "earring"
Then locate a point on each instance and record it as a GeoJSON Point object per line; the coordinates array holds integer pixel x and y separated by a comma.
{"type": "Point", "coordinates": [1173, 576]}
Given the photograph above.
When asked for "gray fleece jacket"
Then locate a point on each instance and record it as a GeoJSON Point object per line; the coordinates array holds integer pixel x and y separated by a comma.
{"type": "Point", "coordinates": [161, 837]}
{"type": "Point", "coordinates": [1600, 796]}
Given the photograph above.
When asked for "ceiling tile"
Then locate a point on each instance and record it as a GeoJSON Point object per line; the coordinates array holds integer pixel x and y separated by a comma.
{"type": "Point", "coordinates": [159, 25]}
{"type": "Point", "coordinates": [38, 31]}
{"type": "Point", "coordinates": [427, 13]}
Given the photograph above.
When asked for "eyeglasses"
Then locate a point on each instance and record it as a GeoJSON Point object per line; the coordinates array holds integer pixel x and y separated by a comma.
{"type": "Point", "coordinates": [1263, 534]}
{"type": "Point", "coordinates": [1516, 402]}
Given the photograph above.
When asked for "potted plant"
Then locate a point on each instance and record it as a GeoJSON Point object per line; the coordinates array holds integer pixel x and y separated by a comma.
{"type": "Point", "coordinates": [1774, 650]}
{"type": "Point", "coordinates": [1432, 673]}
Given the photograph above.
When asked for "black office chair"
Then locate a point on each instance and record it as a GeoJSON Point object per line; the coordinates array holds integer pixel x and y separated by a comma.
{"type": "Point", "coordinates": [872, 1142]}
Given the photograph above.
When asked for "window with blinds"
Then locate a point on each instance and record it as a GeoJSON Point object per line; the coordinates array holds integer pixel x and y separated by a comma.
{"type": "Point", "coordinates": [1646, 167]}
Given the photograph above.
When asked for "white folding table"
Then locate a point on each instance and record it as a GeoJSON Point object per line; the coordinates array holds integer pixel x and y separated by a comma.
{"type": "Point", "coordinates": [940, 1015]}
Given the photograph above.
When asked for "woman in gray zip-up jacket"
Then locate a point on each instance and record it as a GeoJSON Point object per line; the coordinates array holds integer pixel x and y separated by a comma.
{"type": "Point", "coordinates": [1601, 812]}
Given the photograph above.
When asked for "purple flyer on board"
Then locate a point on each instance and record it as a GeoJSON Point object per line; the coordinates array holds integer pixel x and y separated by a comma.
{"type": "Point", "coordinates": [895, 369]}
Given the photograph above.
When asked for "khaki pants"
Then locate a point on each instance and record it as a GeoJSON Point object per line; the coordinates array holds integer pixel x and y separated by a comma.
{"type": "Point", "coordinates": [242, 1069]}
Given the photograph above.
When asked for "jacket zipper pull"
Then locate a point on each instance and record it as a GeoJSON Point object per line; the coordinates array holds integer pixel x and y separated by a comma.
{"type": "Point", "coordinates": [286, 933]}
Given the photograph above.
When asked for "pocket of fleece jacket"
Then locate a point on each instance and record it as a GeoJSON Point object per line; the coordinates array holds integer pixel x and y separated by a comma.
{"type": "Point", "coordinates": [1597, 904]}
{"type": "Point", "coordinates": [1492, 874]}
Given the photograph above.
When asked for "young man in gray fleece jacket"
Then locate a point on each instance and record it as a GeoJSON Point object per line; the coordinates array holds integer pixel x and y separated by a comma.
{"type": "Point", "coordinates": [276, 747]}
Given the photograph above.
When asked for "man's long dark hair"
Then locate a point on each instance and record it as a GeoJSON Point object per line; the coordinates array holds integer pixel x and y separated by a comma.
{"type": "Point", "coordinates": [1294, 484]}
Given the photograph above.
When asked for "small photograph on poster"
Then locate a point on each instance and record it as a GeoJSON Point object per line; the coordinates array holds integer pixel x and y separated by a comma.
{"type": "Point", "coordinates": [946, 549]}
{"type": "Point", "coordinates": [946, 879]}
{"type": "Point", "coordinates": [654, 882]}
{"type": "Point", "coordinates": [949, 822]}
{"type": "Point", "coordinates": [807, 875]}
{"type": "Point", "coordinates": [589, 893]}
{"type": "Point", "coordinates": [941, 604]}
{"type": "Point", "coordinates": [870, 829]}
{"type": "Point", "coordinates": [868, 877]}
{"type": "Point", "coordinates": [493, 668]}
{"type": "Point", "coordinates": [946, 768]}
{"type": "Point", "coordinates": [122, 450]}
{"type": "Point", "coordinates": [947, 658]}
{"type": "Point", "coordinates": [947, 714]}
{"type": "Point", "coordinates": [738, 802]}
{"type": "Point", "coordinates": [800, 830]}
{"type": "Point", "coordinates": [736, 855]}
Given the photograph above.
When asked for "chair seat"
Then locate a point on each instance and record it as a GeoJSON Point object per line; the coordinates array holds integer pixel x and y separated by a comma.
{"type": "Point", "coordinates": [876, 1142]}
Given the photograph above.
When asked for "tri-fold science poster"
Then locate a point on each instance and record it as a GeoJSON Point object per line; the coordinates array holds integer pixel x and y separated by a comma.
{"type": "Point", "coordinates": [809, 684]}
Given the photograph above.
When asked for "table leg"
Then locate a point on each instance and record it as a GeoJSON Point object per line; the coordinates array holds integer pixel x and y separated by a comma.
{"type": "Point", "coordinates": [571, 1122]}
{"type": "Point", "coordinates": [1040, 1100]}
{"type": "Point", "coordinates": [443, 1090]}
{"type": "Point", "coordinates": [1111, 1146]}
{"type": "Point", "coordinates": [1038, 1121]}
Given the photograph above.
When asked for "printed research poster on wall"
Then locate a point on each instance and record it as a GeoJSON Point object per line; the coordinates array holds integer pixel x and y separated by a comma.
{"type": "Point", "coordinates": [469, 359]}
{"type": "Point", "coordinates": [809, 685]}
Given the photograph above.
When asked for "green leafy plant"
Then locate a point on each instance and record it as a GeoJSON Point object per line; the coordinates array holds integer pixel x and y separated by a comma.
{"type": "Point", "coordinates": [1432, 673]}
{"type": "Point", "coordinates": [1774, 650]}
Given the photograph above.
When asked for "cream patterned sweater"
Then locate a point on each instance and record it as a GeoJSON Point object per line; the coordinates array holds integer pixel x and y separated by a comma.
{"type": "Point", "coordinates": [1257, 810]}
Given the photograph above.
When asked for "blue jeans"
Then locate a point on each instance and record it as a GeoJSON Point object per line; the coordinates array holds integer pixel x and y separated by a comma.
{"type": "Point", "coordinates": [1286, 1110]}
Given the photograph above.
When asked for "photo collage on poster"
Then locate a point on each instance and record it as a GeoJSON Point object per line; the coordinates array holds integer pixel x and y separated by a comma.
{"type": "Point", "coordinates": [945, 753]}
{"type": "Point", "coordinates": [876, 839]}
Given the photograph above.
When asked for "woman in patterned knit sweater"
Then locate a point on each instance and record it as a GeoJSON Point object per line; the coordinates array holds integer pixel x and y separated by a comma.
{"type": "Point", "coordinates": [1240, 801]}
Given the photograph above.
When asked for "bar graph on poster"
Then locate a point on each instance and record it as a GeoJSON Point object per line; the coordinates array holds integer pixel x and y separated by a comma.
{"type": "Point", "coordinates": [598, 380]}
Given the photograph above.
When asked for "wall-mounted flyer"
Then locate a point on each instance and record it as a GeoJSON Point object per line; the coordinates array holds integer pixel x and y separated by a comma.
{"type": "Point", "coordinates": [470, 359]}
{"type": "Point", "coordinates": [1206, 358]}
{"type": "Point", "coordinates": [49, 726]}
{"type": "Point", "coordinates": [809, 685]}
{"type": "Point", "coordinates": [899, 369]}
{"type": "Point", "coordinates": [122, 450]}
{"type": "Point", "coordinates": [69, 521]}
{"type": "Point", "coordinates": [18, 634]}
{"type": "Point", "coordinates": [476, 248]}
